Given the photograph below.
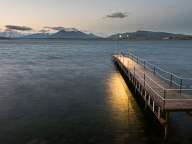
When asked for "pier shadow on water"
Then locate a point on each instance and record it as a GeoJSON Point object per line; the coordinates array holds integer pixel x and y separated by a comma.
{"type": "Point", "coordinates": [129, 120]}
{"type": "Point", "coordinates": [135, 124]}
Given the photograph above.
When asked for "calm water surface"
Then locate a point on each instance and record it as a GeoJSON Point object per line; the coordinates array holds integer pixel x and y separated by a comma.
{"type": "Point", "coordinates": [56, 92]}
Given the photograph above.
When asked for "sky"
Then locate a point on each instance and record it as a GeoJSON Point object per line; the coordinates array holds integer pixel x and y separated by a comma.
{"type": "Point", "coordinates": [99, 16]}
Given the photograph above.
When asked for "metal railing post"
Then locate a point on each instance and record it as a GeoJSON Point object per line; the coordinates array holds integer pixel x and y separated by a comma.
{"type": "Point", "coordinates": [144, 79]}
{"type": "Point", "coordinates": [171, 79]}
{"type": "Point", "coordinates": [164, 96]}
{"type": "Point", "coordinates": [123, 58]}
{"type": "Point", "coordinates": [134, 71]}
{"type": "Point", "coordinates": [181, 84]}
{"type": "Point", "coordinates": [144, 64]}
{"type": "Point", "coordinates": [137, 59]}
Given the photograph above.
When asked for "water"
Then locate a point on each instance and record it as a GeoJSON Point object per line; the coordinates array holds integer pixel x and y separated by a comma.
{"type": "Point", "coordinates": [54, 92]}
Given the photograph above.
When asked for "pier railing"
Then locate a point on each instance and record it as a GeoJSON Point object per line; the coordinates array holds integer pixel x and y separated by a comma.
{"type": "Point", "coordinates": [176, 90]}
{"type": "Point", "coordinates": [174, 80]}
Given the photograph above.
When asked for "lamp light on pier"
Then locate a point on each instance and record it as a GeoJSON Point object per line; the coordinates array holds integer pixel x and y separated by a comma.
{"type": "Point", "coordinates": [120, 36]}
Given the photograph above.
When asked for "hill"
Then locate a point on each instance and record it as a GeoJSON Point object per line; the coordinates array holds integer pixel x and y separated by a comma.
{"type": "Point", "coordinates": [62, 34]}
{"type": "Point", "coordinates": [148, 35]}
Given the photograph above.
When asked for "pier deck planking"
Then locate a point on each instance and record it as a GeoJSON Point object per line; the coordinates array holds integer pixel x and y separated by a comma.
{"type": "Point", "coordinates": [162, 93]}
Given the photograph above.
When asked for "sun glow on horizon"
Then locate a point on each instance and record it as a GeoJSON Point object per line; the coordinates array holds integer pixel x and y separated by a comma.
{"type": "Point", "coordinates": [109, 16]}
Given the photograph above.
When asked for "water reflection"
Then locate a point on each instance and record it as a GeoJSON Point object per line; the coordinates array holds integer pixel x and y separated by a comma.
{"type": "Point", "coordinates": [119, 97]}
{"type": "Point", "coordinates": [125, 113]}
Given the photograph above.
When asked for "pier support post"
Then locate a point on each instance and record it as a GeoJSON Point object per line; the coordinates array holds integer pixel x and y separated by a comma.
{"type": "Point", "coordinates": [135, 85]}
{"type": "Point", "coordinates": [153, 105]}
{"type": "Point", "coordinates": [166, 125]}
{"type": "Point", "coordinates": [159, 113]}
{"type": "Point", "coordinates": [145, 99]}
{"type": "Point", "coordinates": [149, 100]}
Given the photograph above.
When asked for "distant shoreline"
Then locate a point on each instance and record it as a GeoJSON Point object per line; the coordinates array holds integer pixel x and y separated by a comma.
{"type": "Point", "coordinates": [128, 36]}
{"type": "Point", "coordinates": [100, 39]}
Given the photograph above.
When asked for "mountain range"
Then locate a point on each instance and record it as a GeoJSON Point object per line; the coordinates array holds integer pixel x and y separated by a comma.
{"type": "Point", "coordinates": [149, 35]}
{"type": "Point", "coordinates": [62, 34]}
{"type": "Point", "coordinates": [76, 34]}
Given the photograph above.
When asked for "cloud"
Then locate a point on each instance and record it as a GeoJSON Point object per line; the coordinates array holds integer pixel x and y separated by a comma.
{"type": "Point", "coordinates": [58, 28]}
{"type": "Point", "coordinates": [119, 15]}
{"type": "Point", "coordinates": [55, 28]}
{"type": "Point", "coordinates": [19, 28]}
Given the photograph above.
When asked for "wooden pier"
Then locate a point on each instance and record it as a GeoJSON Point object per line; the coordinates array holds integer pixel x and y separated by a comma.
{"type": "Point", "coordinates": [162, 92]}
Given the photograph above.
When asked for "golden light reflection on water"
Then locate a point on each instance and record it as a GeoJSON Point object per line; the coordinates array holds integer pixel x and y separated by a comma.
{"type": "Point", "coordinates": [120, 100]}
{"type": "Point", "coordinates": [124, 113]}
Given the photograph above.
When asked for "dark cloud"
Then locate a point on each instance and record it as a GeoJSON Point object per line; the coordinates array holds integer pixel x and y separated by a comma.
{"type": "Point", "coordinates": [55, 28]}
{"type": "Point", "coordinates": [117, 15]}
{"type": "Point", "coordinates": [61, 28]}
{"type": "Point", "coordinates": [19, 28]}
